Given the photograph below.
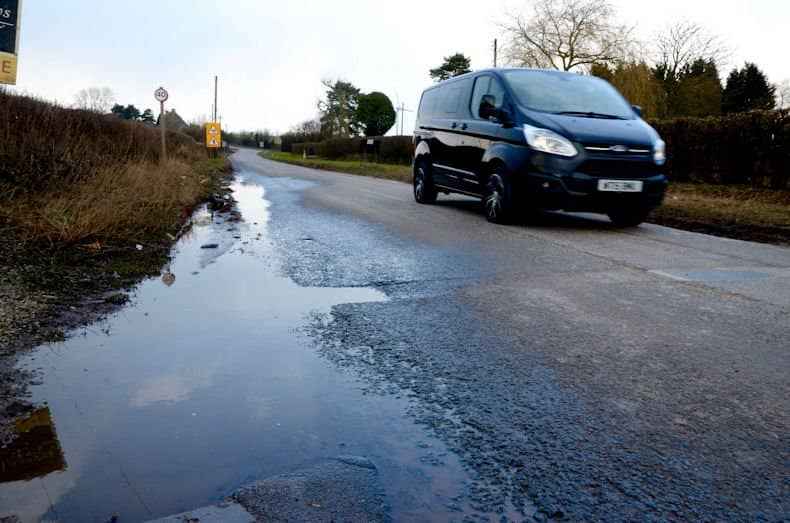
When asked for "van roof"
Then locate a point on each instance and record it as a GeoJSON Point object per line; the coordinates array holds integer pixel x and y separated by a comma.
{"type": "Point", "coordinates": [496, 70]}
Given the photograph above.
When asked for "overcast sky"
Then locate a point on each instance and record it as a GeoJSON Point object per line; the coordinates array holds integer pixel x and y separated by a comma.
{"type": "Point", "coordinates": [271, 56]}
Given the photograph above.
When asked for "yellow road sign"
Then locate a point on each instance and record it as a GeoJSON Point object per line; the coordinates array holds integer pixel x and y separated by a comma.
{"type": "Point", "coordinates": [7, 69]}
{"type": "Point", "coordinates": [213, 135]}
{"type": "Point", "coordinates": [9, 39]}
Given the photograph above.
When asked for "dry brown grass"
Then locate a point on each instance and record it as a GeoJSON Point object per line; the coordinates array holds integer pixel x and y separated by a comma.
{"type": "Point", "coordinates": [133, 201]}
{"type": "Point", "coordinates": [69, 176]}
{"type": "Point", "coordinates": [736, 211]}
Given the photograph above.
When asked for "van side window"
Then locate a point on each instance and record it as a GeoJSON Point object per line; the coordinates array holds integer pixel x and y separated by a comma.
{"type": "Point", "coordinates": [450, 98]}
{"type": "Point", "coordinates": [486, 85]}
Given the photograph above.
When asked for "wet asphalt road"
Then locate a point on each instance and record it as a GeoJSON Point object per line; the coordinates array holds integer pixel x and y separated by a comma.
{"type": "Point", "coordinates": [578, 371]}
{"type": "Point", "coordinates": [555, 370]}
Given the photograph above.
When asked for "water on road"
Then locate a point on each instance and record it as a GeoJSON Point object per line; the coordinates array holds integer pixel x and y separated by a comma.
{"type": "Point", "coordinates": [207, 382]}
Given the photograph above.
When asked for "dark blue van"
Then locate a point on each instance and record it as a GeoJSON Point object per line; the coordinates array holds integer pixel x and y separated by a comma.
{"type": "Point", "coordinates": [525, 139]}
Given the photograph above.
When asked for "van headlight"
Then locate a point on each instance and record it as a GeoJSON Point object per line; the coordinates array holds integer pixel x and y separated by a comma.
{"type": "Point", "coordinates": [547, 141]}
{"type": "Point", "coordinates": [660, 152]}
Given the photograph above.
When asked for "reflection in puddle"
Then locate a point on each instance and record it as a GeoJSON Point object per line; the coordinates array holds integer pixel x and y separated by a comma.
{"type": "Point", "coordinates": [168, 389]}
{"type": "Point", "coordinates": [201, 387]}
{"type": "Point", "coordinates": [35, 452]}
{"type": "Point", "coordinates": [168, 278]}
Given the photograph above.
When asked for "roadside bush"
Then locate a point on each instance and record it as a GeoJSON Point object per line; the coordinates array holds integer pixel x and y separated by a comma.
{"type": "Point", "coordinates": [288, 140]}
{"type": "Point", "coordinates": [43, 145]}
{"type": "Point", "coordinates": [392, 149]}
{"type": "Point", "coordinates": [71, 175]}
{"type": "Point", "coordinates": [196, 132]}
{"type": "Point", "coordinates": [747, 148]}
{"type": "Point", "coordinates": [131, 201]}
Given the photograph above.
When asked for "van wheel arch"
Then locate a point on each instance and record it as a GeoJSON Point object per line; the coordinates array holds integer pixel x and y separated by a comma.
{"type": "Point", "coordinates": [492, 166]}
{"type": "Point", "coordinates": [422, 180]}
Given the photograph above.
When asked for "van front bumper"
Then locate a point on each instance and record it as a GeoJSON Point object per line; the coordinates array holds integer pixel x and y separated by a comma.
{"type": "Point", "coordinates": [579, 192]}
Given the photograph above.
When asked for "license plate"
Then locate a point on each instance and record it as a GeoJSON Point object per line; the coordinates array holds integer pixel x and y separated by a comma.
{"type": "Point", "coordinates": [620, 185]}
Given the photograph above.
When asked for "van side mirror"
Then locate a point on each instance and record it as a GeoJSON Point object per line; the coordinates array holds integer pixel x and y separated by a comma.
{"type": "Point", "coordinates": [638, 110]}
{"type": "Point", "coordinates": [487, 107]}
{"type": "Point", "coordinates": [488, 110]}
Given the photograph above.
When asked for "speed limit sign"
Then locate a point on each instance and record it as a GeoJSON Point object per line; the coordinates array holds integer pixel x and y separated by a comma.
{"type": "Point", "coordinates": [161, 95]}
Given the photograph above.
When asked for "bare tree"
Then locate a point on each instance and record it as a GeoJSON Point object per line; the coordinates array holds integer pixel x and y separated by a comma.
{"type": "Point", "coordinates": [684, 43]}
{"type": "Point", "coordinates": [96, 99]}
{"type": "Point", "coordinates": [566, 35]}
{"type": "Point", "coordinates": [783, 94]}
{"type": "Point", "coordinates": [312, 126]}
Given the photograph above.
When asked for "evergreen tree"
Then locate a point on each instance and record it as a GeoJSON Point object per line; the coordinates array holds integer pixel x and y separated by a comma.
{"type": "Point", "coordinates": [339, 110]}
{"type": "Point", "coordinates": [454, 65]}
{"type": "Point", "coordinates": [147, 116]}
{"type": "Point", "coordinates": [699, 90]}
{"type": "Point", "coordinates": [693, 89]}
{"type": "Point", "coordinates": [130, 112]}
{"type": "Point", "coordinates": [747, 89]}
{"type": "Point", "coordinates": [376, 113]}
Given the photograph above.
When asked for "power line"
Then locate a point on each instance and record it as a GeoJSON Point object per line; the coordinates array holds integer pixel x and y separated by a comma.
{"type": "Point", "coordinates": [402, 109]}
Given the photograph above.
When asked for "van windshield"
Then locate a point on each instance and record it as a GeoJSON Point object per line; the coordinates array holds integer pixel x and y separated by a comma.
{"type": "Point", "coordinates": [571, 94]}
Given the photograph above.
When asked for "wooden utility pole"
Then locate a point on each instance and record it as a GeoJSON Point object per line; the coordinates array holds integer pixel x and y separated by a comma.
{"type": "Point", "coordinates": [495, 51]}
{"type": "Point", "coordinates": [214, 119]}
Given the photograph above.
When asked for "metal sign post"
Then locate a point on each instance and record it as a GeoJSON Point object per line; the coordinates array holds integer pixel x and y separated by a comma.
{"type": "Point", "coordinates": [10, 16]}
{"type": "Point", "coordinates": [161, 96]}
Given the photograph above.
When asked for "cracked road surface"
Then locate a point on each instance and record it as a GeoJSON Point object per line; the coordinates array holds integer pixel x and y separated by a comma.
{"type": "Point", "coordinates": [579, 371]}
{"type": "Point", "coordinates": [554, 370]}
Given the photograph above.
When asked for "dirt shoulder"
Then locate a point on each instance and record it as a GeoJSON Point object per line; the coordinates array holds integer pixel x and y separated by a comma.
{"type": "Point", "coordinates": [729, 211]}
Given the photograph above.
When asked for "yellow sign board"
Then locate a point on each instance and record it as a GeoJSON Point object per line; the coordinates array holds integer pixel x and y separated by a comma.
{"type": "Point", "coordinates": [213, 136]}
{"type": "Point", "coordinates": [7, 69]}
{"type": "Point", "coordinates": [9, 39]}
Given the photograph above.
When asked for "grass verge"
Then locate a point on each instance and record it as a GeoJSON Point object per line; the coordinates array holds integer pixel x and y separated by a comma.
{"type": "Point", "coordinates": [401, 173]}
{"type": "Point", "coordinates": [732, 211]}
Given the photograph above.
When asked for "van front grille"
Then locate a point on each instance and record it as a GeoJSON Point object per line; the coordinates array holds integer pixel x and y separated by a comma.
{"type": "Point", "coordinates": [620, 168]}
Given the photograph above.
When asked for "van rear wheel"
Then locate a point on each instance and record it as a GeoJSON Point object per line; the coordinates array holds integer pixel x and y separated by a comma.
{"type": "Point", "coordinates": [498, 200]}
{"type": "Point", "coordinates": [424, 191]}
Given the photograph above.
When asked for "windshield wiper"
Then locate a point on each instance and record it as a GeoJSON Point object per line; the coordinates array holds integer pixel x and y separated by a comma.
{"type": "Point", "coordinates": [591, 114]}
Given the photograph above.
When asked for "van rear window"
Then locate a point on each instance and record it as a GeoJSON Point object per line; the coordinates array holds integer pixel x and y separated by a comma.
{"type": "Point", "coordinates": [428, 104]}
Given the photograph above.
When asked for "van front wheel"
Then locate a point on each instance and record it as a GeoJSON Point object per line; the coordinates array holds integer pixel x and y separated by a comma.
{"type": "Point", "coordinates": [498, 200]}
{"type": "Point", "coordinates": [424, 191]}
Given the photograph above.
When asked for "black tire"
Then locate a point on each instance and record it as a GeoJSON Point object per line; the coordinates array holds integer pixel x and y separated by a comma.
{"type": "Point", "coordinates": [424, 191]}
{"type": "Point", "coordinates": [628, 217]}
{"type": "Point", "coordinates": [498, 199]}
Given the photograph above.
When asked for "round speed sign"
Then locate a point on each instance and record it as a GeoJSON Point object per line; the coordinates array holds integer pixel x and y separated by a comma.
{"type": "Point", "coordinates": [161, 94]}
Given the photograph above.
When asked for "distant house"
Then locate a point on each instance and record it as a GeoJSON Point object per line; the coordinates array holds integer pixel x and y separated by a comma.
{"type": "Point", "coordinates": [173, 120]}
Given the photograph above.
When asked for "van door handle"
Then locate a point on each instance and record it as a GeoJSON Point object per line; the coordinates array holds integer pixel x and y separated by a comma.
{"type": "Point", "coordinates": [463, 127]}
{"type": "Point", "coordinates": [455, 124]}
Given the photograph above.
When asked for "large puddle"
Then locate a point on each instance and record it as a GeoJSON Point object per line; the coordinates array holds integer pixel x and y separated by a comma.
{"type": "Point", "coordinates": [203, 384]}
